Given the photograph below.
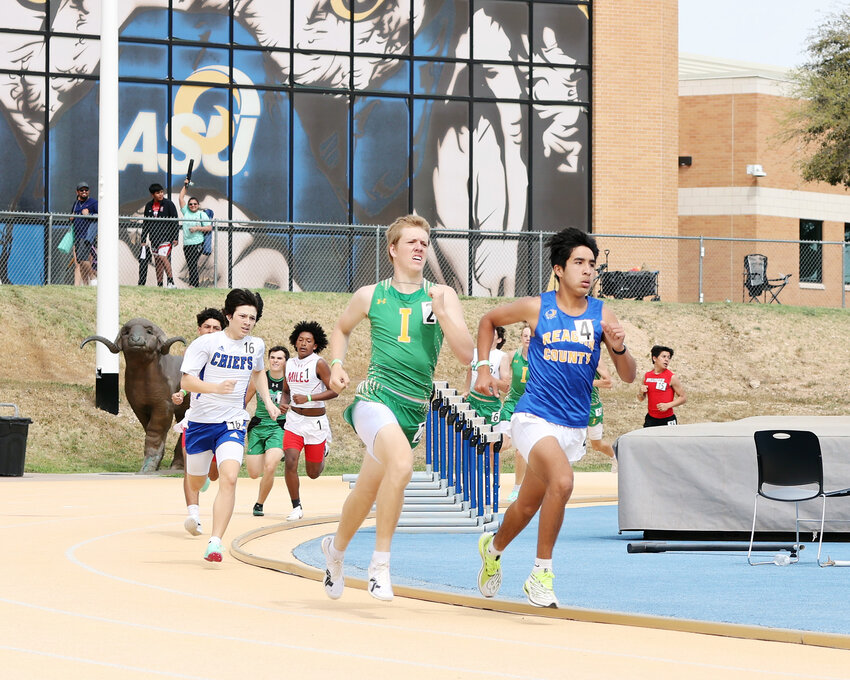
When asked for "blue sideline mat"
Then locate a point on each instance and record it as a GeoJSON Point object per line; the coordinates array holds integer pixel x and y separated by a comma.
{"type": "Point", "coordinates": [594, 571]}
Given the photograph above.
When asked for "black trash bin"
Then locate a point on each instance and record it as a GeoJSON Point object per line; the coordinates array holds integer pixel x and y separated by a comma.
{"type": "Point", "coordinates": [13, 443]}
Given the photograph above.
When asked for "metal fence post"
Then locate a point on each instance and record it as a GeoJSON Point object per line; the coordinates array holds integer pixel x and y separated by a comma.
{"type": "Point", "coordinates": [701, 258]}
{"type": "Point", "coordinates": [377, 253]}
{"type": "Point", "coordinates": [539, 261]}
{"type": "Point", "coordinates": [50, 249]}
{"type": "Point", "coordinates": [843, 275]}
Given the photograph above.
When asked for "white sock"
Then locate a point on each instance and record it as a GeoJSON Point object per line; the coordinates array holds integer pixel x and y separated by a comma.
{"type": "Point", "coordinates": [491, 550]}
{"type": "Point", "coordinates": [337, 555]}
{"type": "Point", "coordinates": [194, 511]}
{"type": "Point", "coordinates": [215, 539]}
{"type": "Point", "coordinates": [540, 565]}
{"type": "Point", "coordinates": [379, 558]}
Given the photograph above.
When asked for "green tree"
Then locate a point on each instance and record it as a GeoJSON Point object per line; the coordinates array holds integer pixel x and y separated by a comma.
{"type": "Point", "coordinates": [822, 119]}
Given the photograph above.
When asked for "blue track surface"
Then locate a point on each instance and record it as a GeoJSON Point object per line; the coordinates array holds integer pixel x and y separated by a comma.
{"type": "Point", "coordinates": [594, 571]}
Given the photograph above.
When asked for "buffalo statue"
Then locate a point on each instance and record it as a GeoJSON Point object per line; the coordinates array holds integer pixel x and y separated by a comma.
{"type": "Point", "coordinates": [151, 377]}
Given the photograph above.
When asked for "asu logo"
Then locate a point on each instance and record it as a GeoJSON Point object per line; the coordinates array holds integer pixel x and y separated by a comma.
{"type": "Point", "coordinates": [201, 126]}
{"type": "Point", "coordinates": [361, 9]}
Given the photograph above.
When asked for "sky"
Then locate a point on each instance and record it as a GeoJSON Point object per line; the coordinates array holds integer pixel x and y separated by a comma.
{"type": "Point", "coordinates": [772, 32]}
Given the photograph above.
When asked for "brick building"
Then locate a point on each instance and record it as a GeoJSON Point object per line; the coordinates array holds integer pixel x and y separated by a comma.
{"type": "Point", "coordinates": [738, 180]}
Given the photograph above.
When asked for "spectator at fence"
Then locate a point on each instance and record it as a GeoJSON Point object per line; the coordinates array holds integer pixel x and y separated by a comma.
{"type": "Point", "coordinates": [409, 318]}
{"type": "Point", "coordinates": [196, 223]}
{"type": "Point", "coordinates": [162, 234]}
{"type": "Point", "coordinates": [550, 420]}
{"type": "Point", "coordinates": [85, 234]}
{"type": "Point", "coordinates": [662, 389]}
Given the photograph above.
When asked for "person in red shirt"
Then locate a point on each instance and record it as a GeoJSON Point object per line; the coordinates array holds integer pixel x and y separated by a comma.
{"type": "Point", "coordinates": [662, 389]}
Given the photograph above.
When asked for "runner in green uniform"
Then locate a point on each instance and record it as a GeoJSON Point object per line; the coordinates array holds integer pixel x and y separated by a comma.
{"type": "Point", "coordinates": [488, 406]}
{"type": "Point", "coordinates": [264, 449]}
{"type": "Point", "coordinates": [410, 317]}
{"type": "Point", "coordinates": [519, 376]}
{"type": "Point", "coordinates": [594, 424]}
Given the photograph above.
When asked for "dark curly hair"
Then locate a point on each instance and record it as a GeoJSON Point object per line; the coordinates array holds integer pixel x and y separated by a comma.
{"type": "Point", "coordinates": [315, 329]}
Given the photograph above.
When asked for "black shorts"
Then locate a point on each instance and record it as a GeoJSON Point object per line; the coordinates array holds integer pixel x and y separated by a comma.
{"type": "Point", "coordinates": [649, 421]}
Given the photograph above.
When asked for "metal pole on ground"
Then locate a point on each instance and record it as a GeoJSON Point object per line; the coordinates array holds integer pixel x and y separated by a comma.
{"type": "Point", "coordinates": [106, 376]}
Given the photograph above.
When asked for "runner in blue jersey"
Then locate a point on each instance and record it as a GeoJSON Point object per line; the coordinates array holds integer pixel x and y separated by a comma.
{"type": "Point", "coordinates": [550, 420]}
{"type": "Point", "coordinates": [217, 369]}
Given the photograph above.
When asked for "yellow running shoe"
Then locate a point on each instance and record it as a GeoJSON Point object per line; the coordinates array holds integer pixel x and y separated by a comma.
{"type": "Point", "coordinates": [539, 589]}
{"type": "Point", "coordinates": [490, 575]}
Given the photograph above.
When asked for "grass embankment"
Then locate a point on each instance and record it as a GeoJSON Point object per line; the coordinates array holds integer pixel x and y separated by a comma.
{"type": "Point", "coordinates": [734, 360]}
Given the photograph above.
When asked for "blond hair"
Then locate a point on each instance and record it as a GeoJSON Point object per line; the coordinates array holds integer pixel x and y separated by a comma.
{"type": "Point", "coordinates": [395, 229]}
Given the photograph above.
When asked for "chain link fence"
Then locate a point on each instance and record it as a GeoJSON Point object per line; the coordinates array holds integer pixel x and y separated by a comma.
{"type": "Point", "coordinates": [39, 249]}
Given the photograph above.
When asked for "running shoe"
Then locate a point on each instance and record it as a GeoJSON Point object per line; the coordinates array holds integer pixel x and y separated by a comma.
{"type": "Point", "coordinates": [334, 579]}
{"type": "Point", "coordinates": [513, 494]}
{"type": "Point", "coordinates": [213, 553]}
{"type": "Point", "coordinates": [490, 574]}
{"type": "Point", "coordinates": [258, 510]}
{"type": "Point", "coordinates": [539, 590]}
{"type": "Point", "coordinates": [379, 582]}
{"type": "Point", "coordinates": [297, 513]}
{"type": "Point", "coordinates": [193, 525]}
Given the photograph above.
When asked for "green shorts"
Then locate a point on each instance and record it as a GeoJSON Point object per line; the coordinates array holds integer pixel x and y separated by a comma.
{"type": "Point", "coordinates": [507, 411]}
{"type": "Point", "coordinates": [486, 407]}
{"type": "Point", "coordinates": [267, 435]}
{"type": "Point", "coordinates": [595, 414]}
{"type": "Point", "coordinates": [410, 414]}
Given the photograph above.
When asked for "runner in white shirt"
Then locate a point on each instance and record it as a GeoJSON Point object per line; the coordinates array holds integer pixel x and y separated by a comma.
{"type": "Point", "coordinates": [217, 368]}
{"type": "Point", "coordinates": [305, 389]}
{"type": "Point", "coordinates": [209, 321]}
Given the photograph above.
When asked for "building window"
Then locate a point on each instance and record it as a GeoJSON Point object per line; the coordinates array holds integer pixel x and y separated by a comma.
{"type": "Point", "coordinates": [847, 253]}
{"type": "Point", "coordinates": [811, 254]}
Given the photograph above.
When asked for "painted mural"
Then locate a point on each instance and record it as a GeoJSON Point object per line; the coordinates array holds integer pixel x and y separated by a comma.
{"type": "Point", "coordinates": [472, 113]}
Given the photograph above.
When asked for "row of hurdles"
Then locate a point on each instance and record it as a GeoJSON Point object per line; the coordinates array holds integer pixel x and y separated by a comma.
{"type": "Point", "coordinates": [458, 491]}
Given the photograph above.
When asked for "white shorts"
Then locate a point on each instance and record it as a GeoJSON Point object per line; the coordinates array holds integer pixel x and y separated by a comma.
{"type": "Point", "coordinates": [594, 432]}
{"type": "Point", "coordinates": [369, 418]}
{"type": "Point", "coordinates": [503, 426]}
{"type": "Point", "coordinates": [164, 249]}
{"type": "Point", "coordinates": [314, 429]}
{"type": "Point", "coordinates": [198, 464]}
{"type": "Point", "coordinates": [528, 429]}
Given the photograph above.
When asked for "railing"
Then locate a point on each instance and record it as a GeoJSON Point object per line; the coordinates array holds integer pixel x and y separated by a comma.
{"type": "Point", "coordinates": [340, 258]}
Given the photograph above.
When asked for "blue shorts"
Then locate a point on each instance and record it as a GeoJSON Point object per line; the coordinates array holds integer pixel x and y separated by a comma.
{"type": "Point", "coordinates": [202, 437]}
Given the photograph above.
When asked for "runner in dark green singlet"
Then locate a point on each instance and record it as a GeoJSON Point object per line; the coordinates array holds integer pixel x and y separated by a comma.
{"type": "Point", "coordinates": [410, 317]}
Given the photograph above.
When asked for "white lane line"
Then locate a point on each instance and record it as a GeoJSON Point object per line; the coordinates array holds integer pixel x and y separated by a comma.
{"type": "Point", "coordinates": [263, 643]}
{"type": "Point", "coordinates": [69, 554]}
{"type": "Point", "coordinates": [106, 664]}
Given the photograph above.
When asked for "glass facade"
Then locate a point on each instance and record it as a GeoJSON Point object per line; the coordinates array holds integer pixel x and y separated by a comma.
{"type": "Point", "coordinates": [472, 113]}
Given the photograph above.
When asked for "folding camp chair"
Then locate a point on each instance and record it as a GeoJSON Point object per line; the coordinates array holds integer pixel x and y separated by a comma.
{"type": "Point", "coordinates": [756, 281]}
{"type": "Point", "coordinates": [790, 470]}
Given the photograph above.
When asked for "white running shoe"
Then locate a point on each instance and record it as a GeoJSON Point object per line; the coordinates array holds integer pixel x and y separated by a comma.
{"type": "Point", "coordinates": [297, 513]}
{"type": "Point", "coordinates": [334, 579]}
{"type": "Point", "coordinates": [379, 582]}
{"type": "Point", "coordinates": [193, 525]}
{"type": "Point", "coordinates": [540, 590]}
